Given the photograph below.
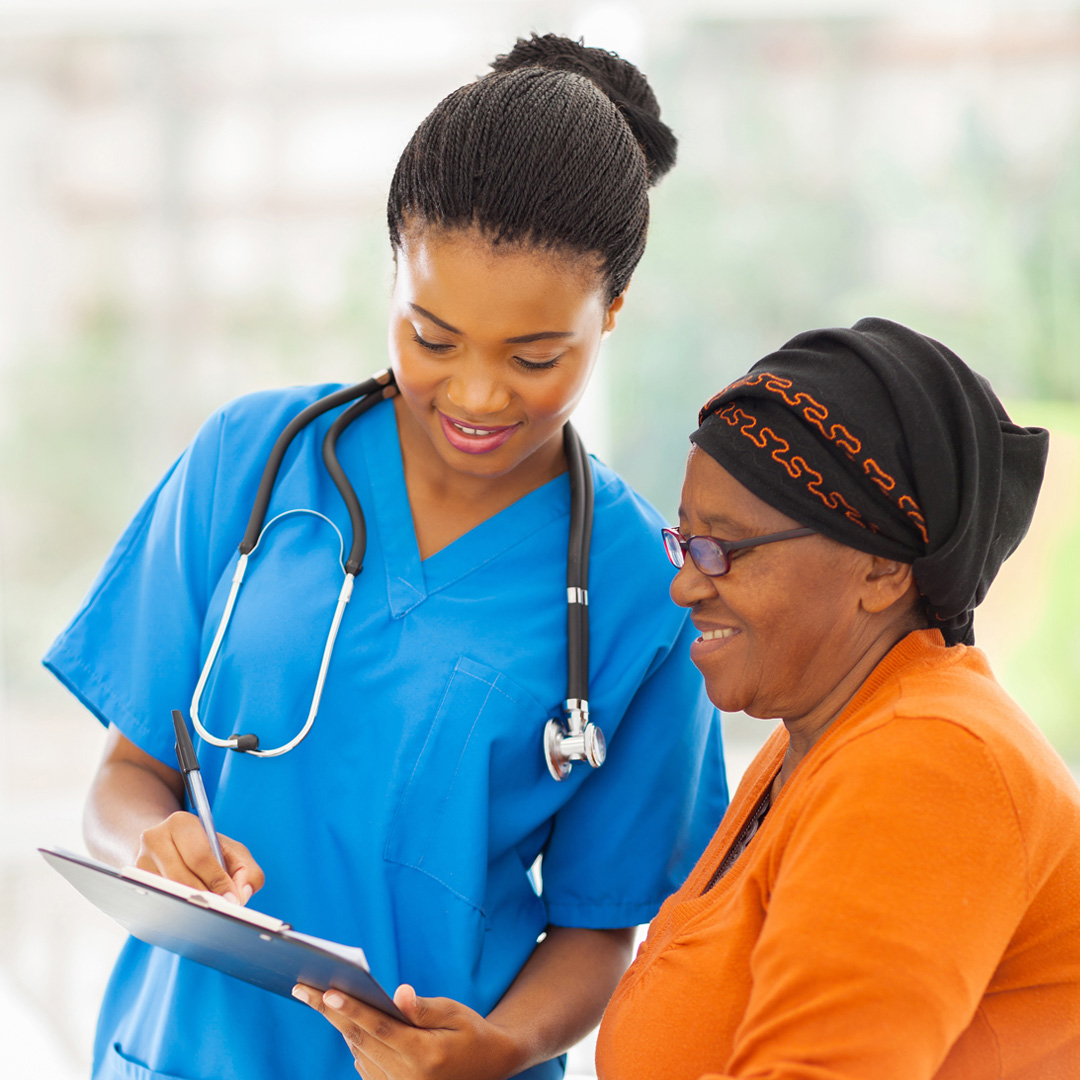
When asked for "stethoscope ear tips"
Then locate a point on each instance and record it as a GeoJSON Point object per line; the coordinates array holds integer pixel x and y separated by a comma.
{"type": "Point", "coordinates": [244, 743]}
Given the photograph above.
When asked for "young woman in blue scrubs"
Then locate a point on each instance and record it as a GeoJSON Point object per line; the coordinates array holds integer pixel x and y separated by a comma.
{"type": "Point", "coordinates": [408, 819]}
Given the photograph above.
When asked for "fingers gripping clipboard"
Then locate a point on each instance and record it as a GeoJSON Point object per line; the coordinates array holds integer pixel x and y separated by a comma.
{"type": "Point", "coordinates": [201, 926]}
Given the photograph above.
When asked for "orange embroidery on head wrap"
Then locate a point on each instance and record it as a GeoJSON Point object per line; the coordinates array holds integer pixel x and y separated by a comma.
{"type": "Point", "coordinates": [835, 501]}
{"type": "Point", "coordinates": [817, 415]}
{"type": "Point", "coordinates": [796, 466]}
{"type": "Point", "coordinates": [880, 476]}
{"type": "Point", "coordinates": [813, 411]}
{"type": "Point", "coordinates": [916, 515]}
{"type": "Point", "coordinates": [736, 417]}
{"type": "Point", "coordinates": [767, 435]}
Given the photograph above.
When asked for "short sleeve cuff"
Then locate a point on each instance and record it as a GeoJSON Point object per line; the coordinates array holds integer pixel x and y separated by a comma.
{"type": "Point", "coordinates": [602, 916]}
{"type": "Point", "coordinates": [82, 681]}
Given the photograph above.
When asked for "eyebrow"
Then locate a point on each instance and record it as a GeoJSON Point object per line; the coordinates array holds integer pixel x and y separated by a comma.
{"type": "Point", "coordinates": [434, 318]}
{"type": "Point", "coordinates": [544, 335]}
{"type": "Point", "coordinates": [521, 339]}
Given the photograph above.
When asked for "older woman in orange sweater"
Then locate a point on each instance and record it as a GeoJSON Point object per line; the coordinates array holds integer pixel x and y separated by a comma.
{"type": "Point", "coordinates": [894, 893]}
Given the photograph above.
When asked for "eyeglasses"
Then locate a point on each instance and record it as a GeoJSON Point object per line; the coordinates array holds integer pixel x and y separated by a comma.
{"type": "Point", "coordinates": [712, 556]}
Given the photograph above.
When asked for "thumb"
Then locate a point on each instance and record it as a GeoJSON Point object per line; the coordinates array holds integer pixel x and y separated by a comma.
{"type": "Point", "coordinates": [218, 881]}
{"type": "Point", "coordinates": [424, 1012]}
{"type": "Point", "coordinates": [406, 1000]}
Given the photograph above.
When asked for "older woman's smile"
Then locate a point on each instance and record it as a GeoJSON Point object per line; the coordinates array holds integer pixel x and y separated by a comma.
{"type": "Point", "coordinates": [710, 641]}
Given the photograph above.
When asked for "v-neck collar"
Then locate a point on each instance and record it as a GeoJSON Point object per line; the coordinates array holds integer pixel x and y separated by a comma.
{"type": "Point", "coordinates": [411, 580]}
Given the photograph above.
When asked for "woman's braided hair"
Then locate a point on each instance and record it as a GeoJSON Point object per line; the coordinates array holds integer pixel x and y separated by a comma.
{"type": "Point", "coordinates": [556, 147]}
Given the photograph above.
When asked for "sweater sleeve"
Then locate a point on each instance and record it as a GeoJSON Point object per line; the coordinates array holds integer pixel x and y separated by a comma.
{"type": "Point", "coordinates": [890, 904]}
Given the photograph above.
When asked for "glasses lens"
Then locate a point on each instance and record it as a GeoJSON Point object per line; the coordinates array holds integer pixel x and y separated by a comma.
{"type": "Point", "coordinates": [673, 547]}
{"type": "Point", "coordinates": [708, 556]}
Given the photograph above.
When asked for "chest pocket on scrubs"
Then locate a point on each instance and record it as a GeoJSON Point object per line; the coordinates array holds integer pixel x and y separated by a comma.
{"type": "Point", "coordinates": [480, 760]}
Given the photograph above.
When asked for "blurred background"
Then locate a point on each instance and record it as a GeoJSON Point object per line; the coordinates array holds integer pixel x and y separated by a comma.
{"type": "Point", "coordinates": [192, 207]}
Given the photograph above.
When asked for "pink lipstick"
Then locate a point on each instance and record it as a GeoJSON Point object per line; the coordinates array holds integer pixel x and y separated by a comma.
{"type": "Point", "coordinates": [475, 438]}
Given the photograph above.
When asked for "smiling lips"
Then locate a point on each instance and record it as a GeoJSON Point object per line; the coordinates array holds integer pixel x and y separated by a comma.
{"type": "Point", "coordinates": [473, 439]}
{"type": "Point", "coordinates": [711, 640]}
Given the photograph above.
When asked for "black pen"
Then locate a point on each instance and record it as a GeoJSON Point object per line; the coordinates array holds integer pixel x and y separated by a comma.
{"type": "Point", "coordinates": [189, 769]}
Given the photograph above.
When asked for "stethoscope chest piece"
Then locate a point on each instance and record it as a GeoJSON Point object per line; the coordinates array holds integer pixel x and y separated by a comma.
{"type": "Point", "coordinates": [575, 739]}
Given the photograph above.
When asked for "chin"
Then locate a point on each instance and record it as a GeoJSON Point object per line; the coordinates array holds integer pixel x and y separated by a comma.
{"type": "Point", "coordinates": [730, 699]}
{"type": "Point", "coordinates": [482, 466]}
{"type": "Point", "coordinates": [725, 700]}
{"type": "Point", "coordinates": [762, 714]}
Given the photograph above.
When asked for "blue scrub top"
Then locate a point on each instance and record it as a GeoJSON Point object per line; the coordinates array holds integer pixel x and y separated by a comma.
{"type": "Point", "coordinates": [408, 819]}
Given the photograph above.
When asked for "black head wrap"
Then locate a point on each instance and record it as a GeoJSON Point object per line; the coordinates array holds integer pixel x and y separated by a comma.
{"type": "Point", "coordinates": [886, 441]}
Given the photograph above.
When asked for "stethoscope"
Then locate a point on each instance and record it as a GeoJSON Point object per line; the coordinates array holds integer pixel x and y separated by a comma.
{"type": "Point", "coordinates": [566, 739]}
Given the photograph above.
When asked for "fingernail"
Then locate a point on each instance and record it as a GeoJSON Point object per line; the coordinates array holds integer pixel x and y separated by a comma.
{"type": "Point", "coordinates": [247, 890]}
{"type": "Point", "coordinates": [335, 1001]}
{"type": "Point", "coordinates": [300, 995]}
{"type": "Point", "coordinates": [232, 898]}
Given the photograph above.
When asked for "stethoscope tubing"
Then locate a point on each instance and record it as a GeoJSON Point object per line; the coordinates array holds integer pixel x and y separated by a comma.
{"type": "Point", "coordinates": [355, 562]}
{"type": "Point", "coordinates": [368, 389]}
{"type": "Point", "coordinates": [577, 567]}
{"type": "Point", "coordinates": [365, 396]}
{"type": "Point", "coordinates": [370, 393]}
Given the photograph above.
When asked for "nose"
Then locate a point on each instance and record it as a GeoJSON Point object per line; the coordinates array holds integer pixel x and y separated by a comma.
{"type": "Point", "coordinates": [476, 389]}
{"type": "Point", "coordinates": [690, 586]}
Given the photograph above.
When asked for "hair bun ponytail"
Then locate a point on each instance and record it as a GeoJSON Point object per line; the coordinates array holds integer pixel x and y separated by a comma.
{"type": "Point", "coordinates": [555, 148]}
{"type": "Point", "coordinates": [620, 80]}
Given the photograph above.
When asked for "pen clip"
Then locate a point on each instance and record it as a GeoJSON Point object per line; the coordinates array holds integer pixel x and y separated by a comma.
{"type": "Point", "coordinates": [185, 751]}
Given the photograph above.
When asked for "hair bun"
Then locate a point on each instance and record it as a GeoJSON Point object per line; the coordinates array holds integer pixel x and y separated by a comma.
{"type": "Point", "coordinates": [620, 80]}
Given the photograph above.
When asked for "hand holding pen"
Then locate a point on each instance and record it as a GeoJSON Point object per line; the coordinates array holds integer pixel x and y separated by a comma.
{"type": "Point", "coordinates": [186, 847]}
{"type": "Point", "coordinates": [189, 770]}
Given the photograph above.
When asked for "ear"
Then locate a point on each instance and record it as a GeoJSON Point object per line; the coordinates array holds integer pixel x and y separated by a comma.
{"type": "Point", "coordinates": [613, 309]}
{"type": "Point", "coordinates": [886, 582]}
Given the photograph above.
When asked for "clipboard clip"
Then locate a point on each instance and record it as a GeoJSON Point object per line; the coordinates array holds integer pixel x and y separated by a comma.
{"type": "Point", "coordinates": [203, 899]}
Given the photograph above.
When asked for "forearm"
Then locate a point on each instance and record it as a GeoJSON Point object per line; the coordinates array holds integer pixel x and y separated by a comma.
{"type": "Point", "coordinates": [560, 994]}
{"type": "Point", "coordinates": [130, 794]}
{"type": "Point", "coordinates": [123, 802]}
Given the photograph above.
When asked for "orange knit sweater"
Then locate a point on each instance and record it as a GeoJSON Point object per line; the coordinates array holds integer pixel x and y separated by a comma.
{"type": "Point", "coordinates": [909, 909]}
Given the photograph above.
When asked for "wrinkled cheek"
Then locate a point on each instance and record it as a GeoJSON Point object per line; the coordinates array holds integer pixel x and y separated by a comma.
{"type": "Point", "coordinates": [728, 681]}
{"type": "Point", "coordinates": [782, 678]}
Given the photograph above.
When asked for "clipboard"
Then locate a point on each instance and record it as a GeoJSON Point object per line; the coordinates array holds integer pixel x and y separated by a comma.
{"type": "Point", "coordinates": [208, 929]}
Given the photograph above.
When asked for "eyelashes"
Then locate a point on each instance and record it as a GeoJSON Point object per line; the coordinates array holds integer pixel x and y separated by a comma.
{"type": "Point", "coordinates": [439, 349]}
{"type": "Point", "coordinates": [431, 346]}
{"type": "Point", "coordinates": [536, 365]}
